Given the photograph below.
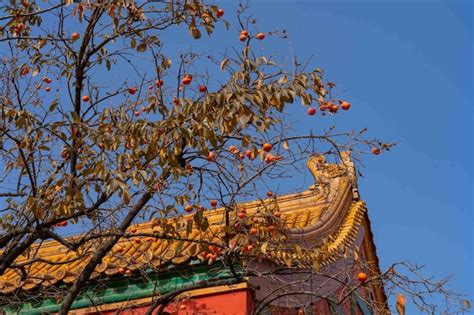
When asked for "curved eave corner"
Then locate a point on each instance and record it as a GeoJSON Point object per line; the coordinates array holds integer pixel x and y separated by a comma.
{"type": "Point", "coordinates": [336, 229]}
{"type": "Point", "coordinates": [325, 220]}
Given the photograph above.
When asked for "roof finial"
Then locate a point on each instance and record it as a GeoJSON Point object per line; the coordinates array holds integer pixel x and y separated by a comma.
{"type": "Point", "coordinates": [323, 172]}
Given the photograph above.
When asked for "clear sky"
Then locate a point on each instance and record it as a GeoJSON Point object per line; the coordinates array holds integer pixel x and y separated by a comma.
{"type": "Point", "coordinates": [406, 66]}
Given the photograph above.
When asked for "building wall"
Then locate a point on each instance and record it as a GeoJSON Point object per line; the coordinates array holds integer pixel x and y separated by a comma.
{"type": "Point", "coordinates": [237, 302]}
{"type": "Point", "coordinates": [241, 301]}
{"type": "Point", "coordinates": [321, 285]}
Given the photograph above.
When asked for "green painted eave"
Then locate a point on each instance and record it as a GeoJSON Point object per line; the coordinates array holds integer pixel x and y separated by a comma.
{"type": "Point", "coordinates": [121, 289]}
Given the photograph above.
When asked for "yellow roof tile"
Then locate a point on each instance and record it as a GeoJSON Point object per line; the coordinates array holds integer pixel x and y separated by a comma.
{"type": "Point", "coordinates": [328, 216]}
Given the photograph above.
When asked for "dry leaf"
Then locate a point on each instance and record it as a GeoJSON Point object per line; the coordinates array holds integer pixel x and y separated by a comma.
{"type": "Point", "coordinates": [401, 301]}
{"type": "Point", "coordinates": [224, 63]}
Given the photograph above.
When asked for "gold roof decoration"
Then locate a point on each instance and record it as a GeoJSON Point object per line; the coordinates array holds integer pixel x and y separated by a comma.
{"type": "Point", "coordinates": [313, 228]}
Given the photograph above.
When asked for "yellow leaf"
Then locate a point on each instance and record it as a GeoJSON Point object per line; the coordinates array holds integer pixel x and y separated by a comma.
{"type": "Point", "coordinates": [254, 152]}
{"type": "Point", "coordinates": [245, 141]}
{"type": "Point", "coordinates": [401, 301]}
{"type": "Point", "coordinates": [262, 155]}
{"type": "Point", "coordinates": [224, 63]}
{"type": "Point", "coordinates": [42, 43]}
{"type": "Point", "coordinates": [142, 47]}
{"type": "Point", "coordinates": [35, 72]}
{"type": "Point", "coordinates": [195, 33]}
{"type": "Point", "coordinates": [63, 209]}
{"type": "Point", "coordinates": [283, 79]}
{"type": "Point", "coordinates": [126, 197]}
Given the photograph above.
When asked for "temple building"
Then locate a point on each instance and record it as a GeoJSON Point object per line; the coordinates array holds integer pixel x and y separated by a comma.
{"type": "Point", "coordinates": [301, 253]}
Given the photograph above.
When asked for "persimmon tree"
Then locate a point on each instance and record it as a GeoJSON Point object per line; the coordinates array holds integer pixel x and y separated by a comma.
{"type": "Point", "coordinates": [100, 128]}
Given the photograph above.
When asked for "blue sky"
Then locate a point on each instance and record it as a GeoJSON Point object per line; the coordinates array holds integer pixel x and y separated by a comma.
{"type": "Point", "coordinates": [406, 66]}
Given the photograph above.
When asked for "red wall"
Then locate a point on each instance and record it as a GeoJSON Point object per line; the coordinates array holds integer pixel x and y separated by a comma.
{"type": "Point", "coordinates": [237, 302]}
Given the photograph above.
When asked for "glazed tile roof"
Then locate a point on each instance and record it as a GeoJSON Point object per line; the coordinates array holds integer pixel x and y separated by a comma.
{"type": "Point", "coordinates": [322, 221]}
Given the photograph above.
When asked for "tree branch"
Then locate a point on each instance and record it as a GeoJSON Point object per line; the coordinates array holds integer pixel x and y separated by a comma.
{"type": "Point", "coordinates": [99, 254]}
